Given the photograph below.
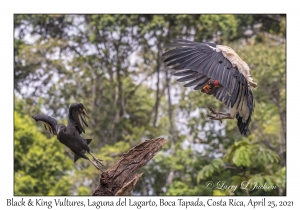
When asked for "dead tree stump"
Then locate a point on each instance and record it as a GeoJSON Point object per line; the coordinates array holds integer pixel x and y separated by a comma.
{"type": "Point", "coordinates": [121, 178]}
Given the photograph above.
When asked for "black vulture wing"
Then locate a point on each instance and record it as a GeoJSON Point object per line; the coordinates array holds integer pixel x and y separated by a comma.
{"type": "Point", "coordinates": [77, 114]}
{"type": "Point", "coordinates": [49, 122]}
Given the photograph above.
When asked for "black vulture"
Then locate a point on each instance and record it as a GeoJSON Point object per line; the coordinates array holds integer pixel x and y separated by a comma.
{"type": "Point", "coordinates": [215, 70]}
{"type": "Point", "coordinates": [70, 135]}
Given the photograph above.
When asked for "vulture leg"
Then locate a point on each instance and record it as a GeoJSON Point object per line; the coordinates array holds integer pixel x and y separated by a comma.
{"type": "Point", "coordinates": [86, 157]}
{"type": "Point", "coordinates": [96, 159]}
{"type": "Point", "coordinates": [218, 118]}
{"type": "Point", "coordinates": [96, 165]}
{"type": "Point", "coordinates": [217, 115]}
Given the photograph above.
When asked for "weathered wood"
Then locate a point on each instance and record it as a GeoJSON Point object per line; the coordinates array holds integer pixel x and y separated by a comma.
{"type": "Point", "coordinates": [121, 178]}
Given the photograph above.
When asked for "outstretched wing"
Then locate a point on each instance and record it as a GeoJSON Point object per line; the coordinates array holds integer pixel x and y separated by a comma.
{"type": "Point", "coordinates": [199, 62]}
{"type": "Point", "coordinates": [77, 114]}
{"type": "Point", "coordinates": [49, 122]}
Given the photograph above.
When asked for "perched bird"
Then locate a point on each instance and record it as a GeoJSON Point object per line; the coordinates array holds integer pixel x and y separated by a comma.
{"type": "Point", "coordinates": [215, 70]}
{"type": "Point", "coordinates": [70, 135]}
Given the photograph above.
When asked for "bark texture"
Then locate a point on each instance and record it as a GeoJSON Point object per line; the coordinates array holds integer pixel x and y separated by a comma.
{"type": "Point", "coordinates": [120, 179]}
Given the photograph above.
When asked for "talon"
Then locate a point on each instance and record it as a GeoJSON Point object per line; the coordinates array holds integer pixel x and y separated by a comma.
{"type": "Point", "coordinates": [218, 115]}
{"type": "Point", "coordinates": [211, 110]}
{"type": "Point", "coordinates": [99, 167]}
{"type": "Point", "coordinates": [210, 116]}
{"type": "Point", "coordinates": [96, 159]}
{"type": "Point", "coordinates": [99, 162]}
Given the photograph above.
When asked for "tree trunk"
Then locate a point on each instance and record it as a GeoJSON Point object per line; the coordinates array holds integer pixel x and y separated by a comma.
{"type": "Point", "coordinates": [172, 136]}
{"type": "Point", "coordinates": [121, 178]}
{"type": "Point", "coordinates": [158, 65]}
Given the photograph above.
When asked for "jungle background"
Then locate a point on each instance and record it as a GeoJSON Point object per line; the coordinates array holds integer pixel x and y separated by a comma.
{"type": "Point", "coordinates": [113, 65]}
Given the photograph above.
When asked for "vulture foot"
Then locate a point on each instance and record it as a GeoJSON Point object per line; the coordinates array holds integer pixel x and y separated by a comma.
{"type": "Point", "coordinates": [98, 162]}
{"type": "Point", "coordinates": [215, 115]}
{"type": "Point", "coordinates": [96, 165]}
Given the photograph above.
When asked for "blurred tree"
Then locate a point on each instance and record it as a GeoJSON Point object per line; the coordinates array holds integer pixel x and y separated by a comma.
{"type": "Point", "coordinates": [113, 64]}
{"type": "Point", "coordinates": [40, 166]}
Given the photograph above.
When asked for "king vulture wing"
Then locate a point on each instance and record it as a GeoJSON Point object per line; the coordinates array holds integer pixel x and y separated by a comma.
{"type": "Point", "coordinates": [199, 62]}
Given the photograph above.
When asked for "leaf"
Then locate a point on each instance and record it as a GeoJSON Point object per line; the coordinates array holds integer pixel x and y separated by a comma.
{"type": "Point", "coordinates": [241, 157]}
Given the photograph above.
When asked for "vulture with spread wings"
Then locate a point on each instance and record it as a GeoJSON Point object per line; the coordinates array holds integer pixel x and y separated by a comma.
{"type": "Point", "coordinates": [215, 70]}
{"type": "Point", "coordinates": [70, 135]}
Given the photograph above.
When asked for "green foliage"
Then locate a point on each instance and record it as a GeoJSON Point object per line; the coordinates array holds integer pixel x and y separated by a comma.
{"type": "Point", "coordinates": [109, 152]}
{"type": "Point", "coordinates": [246, 156]}
{"type": "Point", "coordinates": [40, 163]}
{"type": "Point", "coordinates": [113, 65]}
{"type": "Point", "coordinates": [62, 187]}
{"type": "Point", "coordinates": [244, 153]}
{"type": "Point", "coordinates": [219, 193]}
{"type": "Point", "coordinates": [208, 170]}
{"type": "Point", "coordinates": [179, 188]}
{"type": "Point", "coordinates": [83, 191]}
{"type": "Point", "coordinates": [225, 25]}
